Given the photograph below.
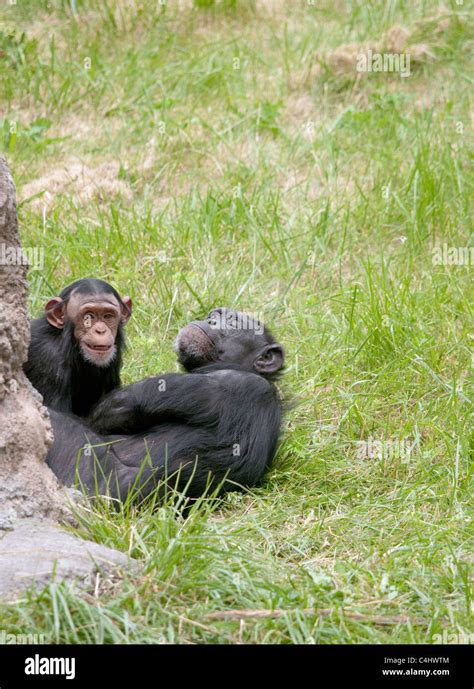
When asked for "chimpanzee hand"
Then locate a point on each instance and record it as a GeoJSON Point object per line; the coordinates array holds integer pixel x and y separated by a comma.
{"type": "Point", "coordinates": [117, 413]}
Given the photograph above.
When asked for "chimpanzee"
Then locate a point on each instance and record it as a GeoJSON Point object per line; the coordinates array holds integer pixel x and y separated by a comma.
{"type": "Point", "coordinates": [76, 347]}
{"type": "Point", "coordinates": [216, 425]}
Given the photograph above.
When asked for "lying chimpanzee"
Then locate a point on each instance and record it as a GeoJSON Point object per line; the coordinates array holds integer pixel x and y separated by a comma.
{"type": "Point", "coordinates": [219, 422]}
{"type": "Point", "coordinates": [76, 347]}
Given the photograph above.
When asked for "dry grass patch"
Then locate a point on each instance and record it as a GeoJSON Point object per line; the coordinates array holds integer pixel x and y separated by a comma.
{"type": "Point", "coordinates": [78, 180]}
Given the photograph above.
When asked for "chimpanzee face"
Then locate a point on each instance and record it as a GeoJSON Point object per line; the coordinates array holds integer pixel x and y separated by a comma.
{"type": "Point", "coordinates": [229, 337]}
{"type": "Point", "coordinates": [94, 320]}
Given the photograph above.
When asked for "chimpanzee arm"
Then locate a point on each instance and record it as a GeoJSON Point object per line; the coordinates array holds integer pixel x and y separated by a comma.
{"type": "Point", "coordinates": [191, 398]}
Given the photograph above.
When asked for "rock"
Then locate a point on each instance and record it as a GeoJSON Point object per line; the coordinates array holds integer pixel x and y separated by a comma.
{"type": "Point", "coordinates": [37, 551]}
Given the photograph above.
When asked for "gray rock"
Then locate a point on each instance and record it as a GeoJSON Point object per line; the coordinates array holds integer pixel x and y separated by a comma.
{"type": "Point", "coordinates": [37, 551]}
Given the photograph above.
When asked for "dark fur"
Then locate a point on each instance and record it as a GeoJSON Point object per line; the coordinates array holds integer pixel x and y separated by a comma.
{"type": "Point", "coordinates": [190, 431]}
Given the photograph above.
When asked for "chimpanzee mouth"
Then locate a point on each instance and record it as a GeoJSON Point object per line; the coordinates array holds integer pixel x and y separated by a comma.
{"type": "Point", "coordinates": [194, 346]}
{"type": "Point", "coordinates": [195, 325]}
{"type": "Point", "coordinates": [98, 349]}
{"type": "Point", "coordinates": [98, 355]}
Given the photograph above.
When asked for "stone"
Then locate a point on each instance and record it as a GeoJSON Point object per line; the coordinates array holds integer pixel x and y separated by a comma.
{"type": "Point", "coordinates": [36, 552]}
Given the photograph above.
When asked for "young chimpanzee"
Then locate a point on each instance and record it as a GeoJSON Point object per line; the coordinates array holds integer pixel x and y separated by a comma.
{"type": "Point", "coordinates": [76, 348]}
{"type": "Point", "coordinates": [218, 423]}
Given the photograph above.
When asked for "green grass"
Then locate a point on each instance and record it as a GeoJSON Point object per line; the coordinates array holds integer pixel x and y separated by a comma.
{"type": "Point", "coordinates": [281, 185]}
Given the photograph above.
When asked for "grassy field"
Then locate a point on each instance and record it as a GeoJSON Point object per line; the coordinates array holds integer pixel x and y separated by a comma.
{"type": "Point", "coordinates": [230, 153]}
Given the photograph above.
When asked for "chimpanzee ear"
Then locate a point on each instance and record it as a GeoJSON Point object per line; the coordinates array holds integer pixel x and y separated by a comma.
{"type": "Point", "coordinates": [126, 310]}
{"type": "Point", "coordinates": [270, 360]}
{"type": "Point", "coordinates": [55, 311]}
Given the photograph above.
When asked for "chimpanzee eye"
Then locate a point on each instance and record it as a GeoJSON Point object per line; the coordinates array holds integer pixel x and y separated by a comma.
{"type": "Point", "coordinates": [108, 316]}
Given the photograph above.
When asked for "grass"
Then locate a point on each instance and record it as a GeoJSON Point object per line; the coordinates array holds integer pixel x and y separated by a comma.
{"type": "Point", "coordinates": [226, 154]}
